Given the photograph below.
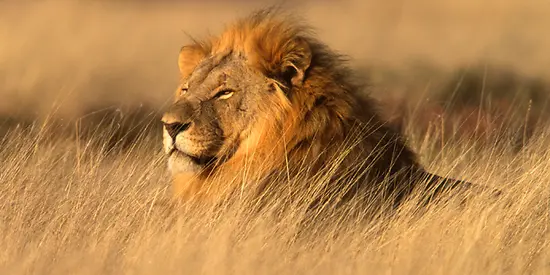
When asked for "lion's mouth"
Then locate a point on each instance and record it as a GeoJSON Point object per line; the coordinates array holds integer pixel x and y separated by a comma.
{"type": "Point", "coordinates": [198, 160]}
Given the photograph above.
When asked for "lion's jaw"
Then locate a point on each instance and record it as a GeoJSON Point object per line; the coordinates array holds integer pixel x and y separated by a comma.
{"type": "Point", "coordinates": [179, 159]}
{"type": "Point", "coordinates": [191, 152]}
{"type": "Point", "coordinates": [188, 155]}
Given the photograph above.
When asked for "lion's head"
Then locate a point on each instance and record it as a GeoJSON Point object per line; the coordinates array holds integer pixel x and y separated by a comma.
{"type": "Point", "coordinates": [219, 104]}
{"type": "Point", "coordinates": [265, 98]}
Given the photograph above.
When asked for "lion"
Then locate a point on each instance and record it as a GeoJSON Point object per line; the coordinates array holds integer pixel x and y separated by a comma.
{"type": "Point", "coordinates": [265, 103]}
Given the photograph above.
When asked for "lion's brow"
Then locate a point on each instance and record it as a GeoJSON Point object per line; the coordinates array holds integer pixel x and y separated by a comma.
{"type": "Point", "coordinates": [206, 67]}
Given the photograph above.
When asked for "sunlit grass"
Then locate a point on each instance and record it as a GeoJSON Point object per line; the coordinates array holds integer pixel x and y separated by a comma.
{"type": "Point", "coordinates": [106, 213]}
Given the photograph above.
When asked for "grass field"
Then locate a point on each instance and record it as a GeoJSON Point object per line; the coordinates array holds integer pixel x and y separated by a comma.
{"type": "Point", "coordinates": [83, 181]}
{"type": "Point", "coordinates": [82, 206]}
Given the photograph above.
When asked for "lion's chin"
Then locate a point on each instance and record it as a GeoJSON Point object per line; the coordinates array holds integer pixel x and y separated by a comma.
{"type": "Point", "coordinates": [179, 162]}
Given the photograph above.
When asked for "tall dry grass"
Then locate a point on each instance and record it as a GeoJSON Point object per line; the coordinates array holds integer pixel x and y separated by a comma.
{"type": "Point", "coordinates": [85, 195]}
{"type": "Point", "coordinates": [71, 205]}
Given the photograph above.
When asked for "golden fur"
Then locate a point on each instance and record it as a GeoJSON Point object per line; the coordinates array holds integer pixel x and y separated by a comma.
{"type": "Point", "coordinates": [314, 124]}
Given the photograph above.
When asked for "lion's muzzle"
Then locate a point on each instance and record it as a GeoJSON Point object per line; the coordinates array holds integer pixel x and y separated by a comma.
{"type": "Point", "coordinates": [189, 143]}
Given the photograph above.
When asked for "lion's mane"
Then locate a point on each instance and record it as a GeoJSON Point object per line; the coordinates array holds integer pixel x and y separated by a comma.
{"type": "Point", "coordinates": [324, 130]}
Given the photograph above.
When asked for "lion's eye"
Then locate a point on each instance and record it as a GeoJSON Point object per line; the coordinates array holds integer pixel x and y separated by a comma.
{"type": "Point", "coordinates": [224, 94]}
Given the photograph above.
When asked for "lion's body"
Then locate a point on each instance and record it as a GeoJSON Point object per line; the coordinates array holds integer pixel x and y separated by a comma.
{"type": "Point", "coordinates": [292, 111]}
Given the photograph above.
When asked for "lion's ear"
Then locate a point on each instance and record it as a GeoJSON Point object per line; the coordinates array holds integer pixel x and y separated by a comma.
{"type": "Point", "coordinates": [296, 62]}
{"type": "Point", "coordinates": [189, 58]}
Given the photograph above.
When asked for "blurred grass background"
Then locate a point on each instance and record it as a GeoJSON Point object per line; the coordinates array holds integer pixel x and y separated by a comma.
{"type": "Point", "coordinates": [70, 58]}
{"type": "Point", "coordinates": [468, 59]}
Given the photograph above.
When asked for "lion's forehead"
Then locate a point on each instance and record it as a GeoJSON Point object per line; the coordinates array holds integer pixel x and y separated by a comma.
{"type": "Point", "coordinates": [201, 72]}
{"type": "Point", "coordinates": [210, 74]}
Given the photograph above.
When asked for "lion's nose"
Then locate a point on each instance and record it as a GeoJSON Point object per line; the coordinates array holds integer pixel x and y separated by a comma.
{"type": "Point", "coordinates": [174, 129]}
